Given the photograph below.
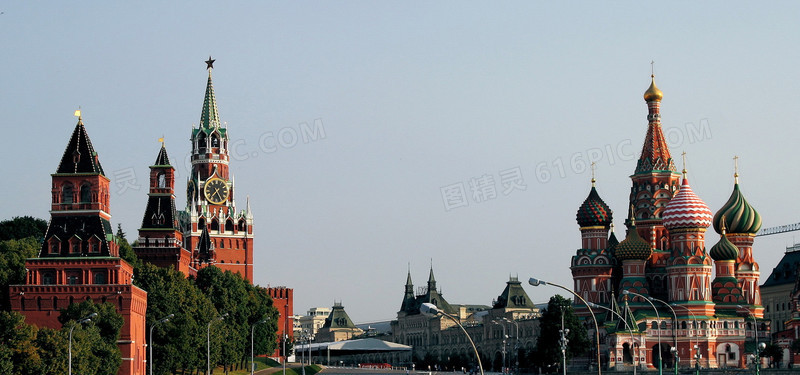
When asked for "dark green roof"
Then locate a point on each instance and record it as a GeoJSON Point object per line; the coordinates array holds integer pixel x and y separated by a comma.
{"type": "Point", "coordinates": [740, 216]}
{"type": "Point", "coordinates": [513, 296]}
{"type": "Point", "coordinates": [162, 160]}
{"type": "Point", "coordinates": [79, 156]}
{"type": "Point", "coordinates": [338, 318]}
{"type": "Point", "coordinates": [786, 270]}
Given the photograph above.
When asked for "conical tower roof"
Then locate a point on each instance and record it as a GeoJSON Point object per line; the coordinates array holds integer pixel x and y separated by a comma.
{"type": "Point", "coordinates": [209, 118]}
{"type": "Point", "coordinates": [79, 156]}
{"type": "Point", "coordinates": [162, 160]}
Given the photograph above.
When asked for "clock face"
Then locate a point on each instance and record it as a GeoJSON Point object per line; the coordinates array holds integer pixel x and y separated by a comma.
{"type": "Point", "coordinates": [216, 191]}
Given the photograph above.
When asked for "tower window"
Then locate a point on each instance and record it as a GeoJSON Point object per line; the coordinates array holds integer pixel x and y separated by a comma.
{"type": "Point", "coordinates": [100, 277]}
{"type": "Point", "coordinates": [86, 193]}
{"type": "Point", "coordinates": [48, 278]}
{"type": "Point", "coordinates": [162, 180]}
{"type": "Point", "coordinates": [66, 194]}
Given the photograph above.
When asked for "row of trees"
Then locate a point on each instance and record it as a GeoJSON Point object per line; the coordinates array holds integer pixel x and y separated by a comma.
{"type": "Point", "coordinates": [216, 307]}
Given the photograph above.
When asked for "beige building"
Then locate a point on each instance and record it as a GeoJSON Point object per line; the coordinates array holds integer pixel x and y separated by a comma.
{"type": "Point", "coordinates": [310, 323]}
{"type": "Point", "coordinates": [337, 326]}
{"type": "Point", "coordinates": [500, 332]}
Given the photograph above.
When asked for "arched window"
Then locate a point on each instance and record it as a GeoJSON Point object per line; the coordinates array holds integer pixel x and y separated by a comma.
{"type": "Point", "coordinates": [66, 194]}
{"type": "Point", "coordinates": [86, 193]}
{"type": "Point", "coordinates": [683, 324]}
{"type": "Point", "coordinates": [214, 224]}
{"type": "Point", "coordinates": [654, 325]}
{"type": "Point", "coordinates": [663, 324]}
{"type": "Point", "coordinates": [201, 224]}
{"type": "Point", "coordinates": [201, 142]}
{"type": "Point", "coordinates": [229, 225]}
{"type": "Point", "coordinates": [214, 140]}
{"type": "Point", "coordinates": [99, 277]}
{"type": "Point", "coordinates": [242, 226]}
{"type": "Point", "coordinates": [162, 180]}
{"type": "Point", "coordinates": [725, 325]}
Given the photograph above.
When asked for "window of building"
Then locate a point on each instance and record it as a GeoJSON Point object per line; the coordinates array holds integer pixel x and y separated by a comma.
{"type": "Point", "coordinates": [162, 180]}
{"type": "Point", "coordinates": [100, 277]}
{"type": "Point", "coordinates": [66, 193]}
{"type": "Point", "coordinates": [48, 278]}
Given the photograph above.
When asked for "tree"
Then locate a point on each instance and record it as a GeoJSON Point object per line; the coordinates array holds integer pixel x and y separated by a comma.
{"type": "Point", "coordinates": [18, 348]}
{"type": "Point", "coordinates": [548, 349]}
{"type": "Point", "coordinates": [94, 343]}
{"type": "Point", "coordinates": [13, 253]}
{"type": "Point", "coordinates": [774, 352]}
{"type": "Point", "coordinates": [178, 340]}
{"type": "Point", "coordinates": [22, 226]}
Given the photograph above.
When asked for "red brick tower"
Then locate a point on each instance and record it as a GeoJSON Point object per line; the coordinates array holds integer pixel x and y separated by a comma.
{"type": "Point", "coordinates": [79, 259]}
{"type": "Point", "coordinates": [160, 236]}
{"type": "Point", "coordinates": [220, 234]}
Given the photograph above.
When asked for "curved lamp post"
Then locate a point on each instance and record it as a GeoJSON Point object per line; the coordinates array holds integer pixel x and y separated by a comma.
{"type": "Point", "coordinates": [636, 352]}
{"type": "Point", "coordinates": [430, 309]}
{"type": "Point", "coordinates": [757, 359]}
{"type": "Point", "coordinates": [150, 347]}
{"type": "Point", "coordinates": [252, 333]}
{"type": "Point", "coordinates": [537, 282]}
{"type": "Point", "coordinates": [84, 320]}
{"type": "Point", "coordinates": [674, 349]}
{"type": "Point", "coordinates": [697, 340]}
{"type": "Point", "coordinates": [208, 341]}
{"type": "Point", "coordinates": [660, 361]}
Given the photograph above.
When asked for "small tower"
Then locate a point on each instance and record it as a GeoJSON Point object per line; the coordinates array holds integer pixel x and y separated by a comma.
{"type": "Point", "coordinates": [408, 304]}
{"type": "Point", "coordinates": [743, 222]}
{"type": "Point", "coordinates": [725, 288]}
{"type": "Point", "coordinates": [633, 252]}
{"type": "Point", "coordinates": [160, 236]}
{"type": "Point", "coordinates": [686, 217]}
{"type": "Point", "coordinates": [338, 326]}
{"type": "Point", "coordinates": [592, 265]}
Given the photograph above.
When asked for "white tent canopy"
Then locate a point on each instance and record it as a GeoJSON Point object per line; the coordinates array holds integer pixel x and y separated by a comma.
{"type": "Point", "coordinates": [362, 345]}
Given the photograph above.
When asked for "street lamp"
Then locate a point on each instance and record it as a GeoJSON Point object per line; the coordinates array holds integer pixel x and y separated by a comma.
{"type": "Point", "coordinates": [84, 320]}
{"type": "Point", "coordinates": [537, 282]}
{"type": "Point", "coordinates": [252, 333]}
{"type": "Point", "coordinates": [757, 359]}
{"type": "Point", "coordinates": [505, 336]}
{"type": "Point", "coordinates": [674, 351]}
{"type": "Point", "coordinates": [697, 340]}
{"type": "Point", "coordinates": [563, 341]}
{"type": "Point", "coordinates": [633, 343]}
{"type": "Point", "coordinates": [658, 319]}
{"type": "Point", "coordinates": [516, 344]}
{"type": "Point", "coordinates": [208, 341]}
{"type": "Point", "coordinates": [150, 355]}
{"type": "Point", "coordinates": [430, 309]}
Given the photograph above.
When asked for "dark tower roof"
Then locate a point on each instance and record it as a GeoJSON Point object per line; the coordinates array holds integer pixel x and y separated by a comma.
{"type": "Point", "coordinates": [162, 160]}
{"type": "Point", "coordinates": [79, 156]}
{"type": "Point", "coordinates": [514, 296]}
{"type": "Point", "coordinates": [338, 318]}
{"type": "Point", "coordinates": [209, 118]}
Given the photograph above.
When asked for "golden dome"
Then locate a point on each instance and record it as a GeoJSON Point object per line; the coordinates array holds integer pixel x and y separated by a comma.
{"type": "Point", "coordinates": [653, 93]}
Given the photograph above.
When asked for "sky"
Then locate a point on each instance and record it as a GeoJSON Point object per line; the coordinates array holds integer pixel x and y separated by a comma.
{"type": "Point", "coordinates": [378, 138]}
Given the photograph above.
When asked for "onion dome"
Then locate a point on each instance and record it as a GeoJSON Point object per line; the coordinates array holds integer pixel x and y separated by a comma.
{"type": "Point", "coordinates": [724, 249]}
{"type": "Point", "coordinates": [633, 246]}
{"type": "Point", "coordinates": [594, 212]}
{"type": "Point", "coordinates": [740, 216]}
{"type": "Point", "coordinates": [686, 210]}
{"type": "Point", "coordinates": [653, 93]}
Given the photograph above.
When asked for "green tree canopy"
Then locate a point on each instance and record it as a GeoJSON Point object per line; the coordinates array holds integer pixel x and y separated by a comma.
{"type": "Point", "coordinates": [13, 253]}
{"type": "Point", "coordinates": [95, 341]}
{"type": "Point", "coordinates": [22, 226]}
{"type": "Point", "coordinates": [548, 348]}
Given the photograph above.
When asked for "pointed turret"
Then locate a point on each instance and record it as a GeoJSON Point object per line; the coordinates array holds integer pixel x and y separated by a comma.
{"type": "Point", "coordinates": [209, 118]}
{"type": "Point", "coordinates": [79, 156]}
{"type": "Point", "coordinates": [513, 297]}
{"type": "Point", "coordinates": [408, 304]}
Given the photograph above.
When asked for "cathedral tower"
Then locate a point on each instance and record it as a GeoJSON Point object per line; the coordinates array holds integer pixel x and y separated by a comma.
{"type": "Point", "coordinates": [686, 217]}
{"type": "Point", "coordinates": [592, 265]}
{"type": "Point", "coordinates": [211, 203]}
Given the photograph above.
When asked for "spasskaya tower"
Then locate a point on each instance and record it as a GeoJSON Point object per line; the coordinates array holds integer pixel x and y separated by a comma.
{"type": "Point", "coordinates": [218, 233]}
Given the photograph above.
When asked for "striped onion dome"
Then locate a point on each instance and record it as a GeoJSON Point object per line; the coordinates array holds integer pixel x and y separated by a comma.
{"type": "Point", "coordinates": [633, 246]}
{"type": "Point", "coordinates": [740, 216]}
{"type": "Point", "coordinates": [594, 212]}
{"type": "Point", "coordinates": [686, 210]}
{"type": "Point", "coordinates": [724, 249]}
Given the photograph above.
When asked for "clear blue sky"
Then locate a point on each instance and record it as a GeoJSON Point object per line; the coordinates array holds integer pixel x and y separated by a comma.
{"type": "Point", "coordinates": [413, 98]}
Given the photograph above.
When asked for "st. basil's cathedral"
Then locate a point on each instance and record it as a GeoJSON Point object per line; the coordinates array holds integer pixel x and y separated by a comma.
{"type": "Point", "coordinates": [655, 297]}
{"type": "Point", "coordinates": [80, 261]}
